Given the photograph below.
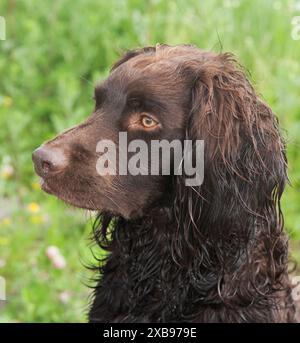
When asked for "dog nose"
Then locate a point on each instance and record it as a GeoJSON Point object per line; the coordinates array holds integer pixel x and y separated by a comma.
{"type": "Point", "coordinates": [48, 160]}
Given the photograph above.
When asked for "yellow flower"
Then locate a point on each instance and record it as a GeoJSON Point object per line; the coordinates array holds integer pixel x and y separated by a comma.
{"type": "Point", "coordinates": [35, 185]}
{"type": "Point", "coordinates": [33, 207]}
{"type": "Point", "coordinates": [7, 101]}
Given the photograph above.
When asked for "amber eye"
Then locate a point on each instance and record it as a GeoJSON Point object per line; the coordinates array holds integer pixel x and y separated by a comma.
{"type": "Point", "coordinates": [148, 122]}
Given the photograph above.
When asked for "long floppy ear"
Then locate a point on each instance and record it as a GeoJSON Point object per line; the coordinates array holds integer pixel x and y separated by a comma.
{"type": "Point", "coordinates": [232, 224]}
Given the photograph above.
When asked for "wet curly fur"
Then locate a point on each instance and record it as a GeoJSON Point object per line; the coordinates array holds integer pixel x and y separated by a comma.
{"type": "Point", "coordinates": [175, 253]}
{"type": "Point", "coordinates": [214, 253]}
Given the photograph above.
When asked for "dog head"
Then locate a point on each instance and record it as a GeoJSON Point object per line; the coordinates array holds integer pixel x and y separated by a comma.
{"type": "Point", "coordinates": [166, 93]}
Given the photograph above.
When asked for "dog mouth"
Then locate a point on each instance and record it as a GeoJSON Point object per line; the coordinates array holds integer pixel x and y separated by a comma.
{"type": "Point", "coordinates": [45, 186]}
{"type": "Point", "coordinates": [67, 198]}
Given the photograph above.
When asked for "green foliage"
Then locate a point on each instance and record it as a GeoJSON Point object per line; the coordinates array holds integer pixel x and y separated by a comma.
{"type": "Point", "coordinates": [54, 52]}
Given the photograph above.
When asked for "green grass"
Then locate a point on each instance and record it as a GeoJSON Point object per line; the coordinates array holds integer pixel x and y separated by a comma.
{"type": "Point", "coordinates": [54, 52]}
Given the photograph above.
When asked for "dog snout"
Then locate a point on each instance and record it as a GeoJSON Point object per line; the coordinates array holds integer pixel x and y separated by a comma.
{"type": "Point", "coordinates": [48, 160]}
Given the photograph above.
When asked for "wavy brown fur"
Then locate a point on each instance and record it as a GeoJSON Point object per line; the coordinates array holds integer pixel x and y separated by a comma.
{"type": "Point", "coordinates": [213, 253]}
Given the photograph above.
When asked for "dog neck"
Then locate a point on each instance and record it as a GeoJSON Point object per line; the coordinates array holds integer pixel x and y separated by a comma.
{"type": "Point", "coordinates": [179, 269]}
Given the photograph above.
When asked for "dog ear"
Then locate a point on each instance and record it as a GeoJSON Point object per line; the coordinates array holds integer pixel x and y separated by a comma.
{"type": "Point", "coordinates": [238, 204]}
{"type": "Point", "coordinates": [244, 153]}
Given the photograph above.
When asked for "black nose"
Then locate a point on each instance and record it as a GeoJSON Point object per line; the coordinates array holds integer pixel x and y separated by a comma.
{"type": "Point", "coordinates": [48, 160]}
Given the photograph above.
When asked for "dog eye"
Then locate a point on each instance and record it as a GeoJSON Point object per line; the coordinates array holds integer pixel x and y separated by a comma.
{"type": "Point", "coordinates": [148, 122]}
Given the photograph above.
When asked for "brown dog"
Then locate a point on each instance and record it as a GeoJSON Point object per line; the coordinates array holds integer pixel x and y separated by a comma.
{"type": "Point", "coordinates": [210, 253]}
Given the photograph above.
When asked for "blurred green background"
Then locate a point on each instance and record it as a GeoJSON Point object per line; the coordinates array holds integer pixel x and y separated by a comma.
{"type": "Point", "coordinates": [54, 52]}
